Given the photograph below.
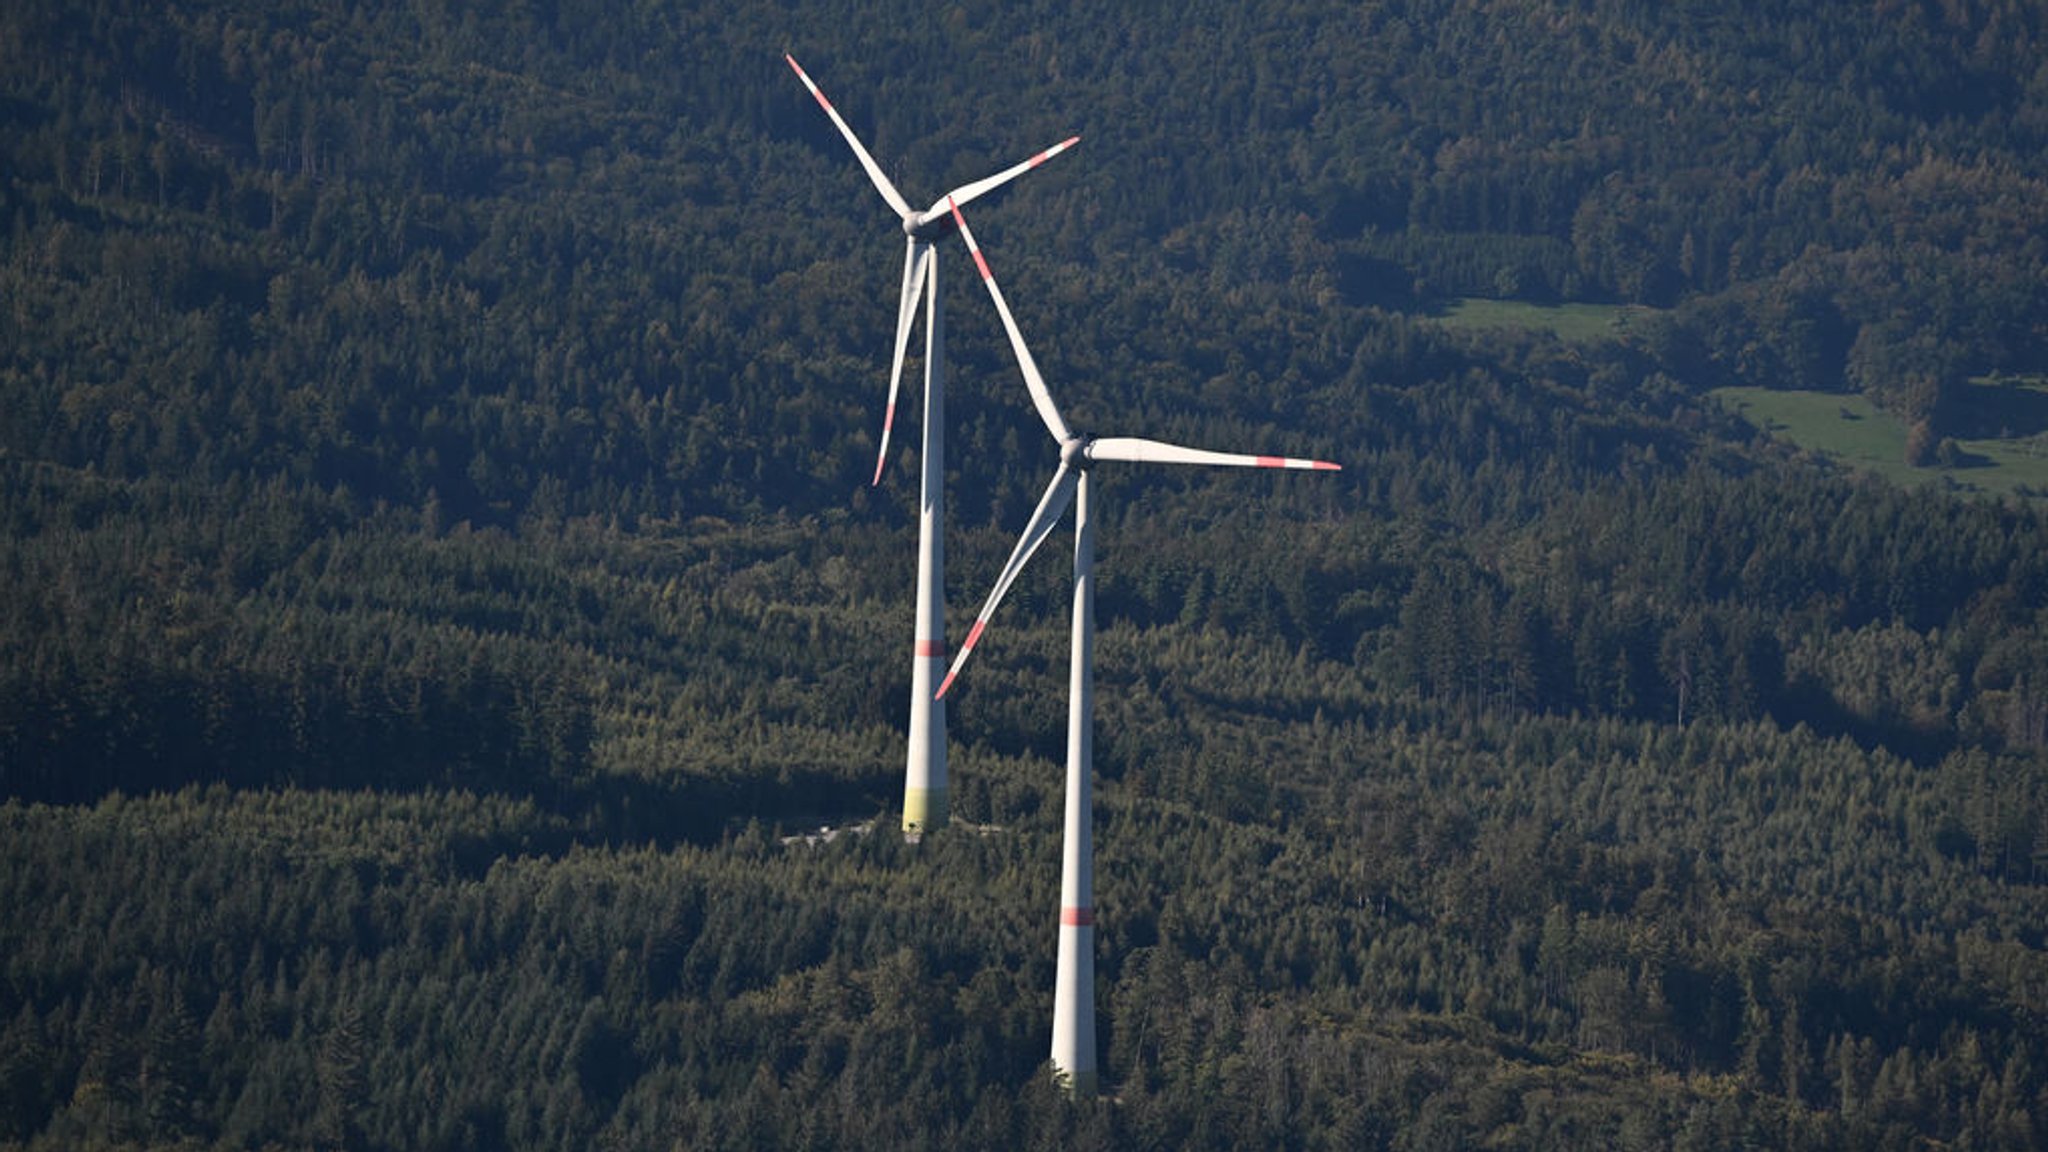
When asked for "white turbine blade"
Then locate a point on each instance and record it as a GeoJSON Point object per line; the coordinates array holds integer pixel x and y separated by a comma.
{"type": "Point", "coordinates": [1159, 452]}
{"type": "Point", "coordinates": [874, 170]}
{"type": "Point", "coordinates": [1051, 507]}
{"type": "Point", "coordinates": [1033, 382]}
{"type": "Point", "coordinates": [916, 259]}
{"type": "Point", "coordinates": [969, 193]}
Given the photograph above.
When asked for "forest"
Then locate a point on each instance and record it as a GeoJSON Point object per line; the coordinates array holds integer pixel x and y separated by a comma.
{"type": "Point", "coordinates": [445, 586]}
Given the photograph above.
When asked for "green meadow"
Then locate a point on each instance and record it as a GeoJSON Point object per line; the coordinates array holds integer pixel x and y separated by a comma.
{"type": "Point", "coordinates": [1577, 323]}
{"type": "Point", "coordinates": [2000, 424]}
{"type": "Point", "coordinates": [2003, 445]}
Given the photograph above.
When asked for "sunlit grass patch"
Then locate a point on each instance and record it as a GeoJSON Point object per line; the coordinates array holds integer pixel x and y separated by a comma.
{"type": "Point", "coordinates": [1861, 435]}
{"type": "Point", "coordinates": [1577, 323]}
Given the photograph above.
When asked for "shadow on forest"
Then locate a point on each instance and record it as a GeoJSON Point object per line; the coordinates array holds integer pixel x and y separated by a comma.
{"type": "Point", "coordinates": [1813, 705]}
{"type": "Point", "coordinates": [79, 740]}
{"type": "Point", "coordinates": [1370, 281]}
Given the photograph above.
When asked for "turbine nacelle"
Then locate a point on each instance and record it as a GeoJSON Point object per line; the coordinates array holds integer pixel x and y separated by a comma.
{"type": "Point", "coordinates": [1074, 453]}
{"type": "Point", "coordinates": [931, 225]}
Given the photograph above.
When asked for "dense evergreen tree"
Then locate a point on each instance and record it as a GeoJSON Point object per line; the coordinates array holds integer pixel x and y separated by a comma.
{"type": "Point", "coordinates": [433, 465]}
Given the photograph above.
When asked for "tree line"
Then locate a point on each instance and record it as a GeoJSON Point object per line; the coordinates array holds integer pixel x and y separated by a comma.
{"type": "Point", "coordinates": [434, 467]}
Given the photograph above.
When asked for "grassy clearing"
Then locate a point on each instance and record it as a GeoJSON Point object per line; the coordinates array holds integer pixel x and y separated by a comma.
{"type": "Point", "coordinates": [1575, 323]}
{"type": "Point", "coordinates": [2001, 423]}
{"type": "Point", "coordinates": [1862, 436]}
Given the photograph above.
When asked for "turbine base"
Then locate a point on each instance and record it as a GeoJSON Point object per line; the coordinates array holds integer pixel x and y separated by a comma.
{"type": "Point", "coordinates": [1078, 1085]}
{"type": "Point", "coordinates": [924, 810]}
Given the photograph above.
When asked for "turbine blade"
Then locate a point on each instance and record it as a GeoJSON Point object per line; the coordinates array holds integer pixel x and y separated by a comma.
{"type": "Point", "coordinates": [1033, 381]}
{"type": "Point", "coordinates": [874, 170]}
{"type": "Point", "coordinates": [916, 260]}
{"type": "Point", "coordinates": [1058, 495]}
{"type": "Point", "coordinates": [970, 192]}
{"type": "Point", "coordinates": [1159, 452]}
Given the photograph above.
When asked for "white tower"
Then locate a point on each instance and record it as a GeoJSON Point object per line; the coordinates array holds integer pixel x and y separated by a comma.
{"type": "Point", "coordinates": [925, 806]}
{"type": "Point", "coordinates": [1073, 1000]}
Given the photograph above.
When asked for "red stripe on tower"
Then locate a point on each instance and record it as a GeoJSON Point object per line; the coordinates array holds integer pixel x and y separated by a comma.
{"type": "Point", "coordinates": [929, 648]}
{"type": "Point", "coordinates": [1078, 917]}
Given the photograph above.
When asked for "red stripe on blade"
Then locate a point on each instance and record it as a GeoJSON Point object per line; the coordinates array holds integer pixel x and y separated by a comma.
{"type": "Point", "coordinates": [1053, 151]}
{"type": "Point", "coordinates": [973, 635]}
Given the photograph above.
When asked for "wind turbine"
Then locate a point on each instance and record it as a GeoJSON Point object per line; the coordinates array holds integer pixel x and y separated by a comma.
{"type": "Point", "coordinates": [1073, 1019]}
{"type": "Point", "coordinates": [924, 785]}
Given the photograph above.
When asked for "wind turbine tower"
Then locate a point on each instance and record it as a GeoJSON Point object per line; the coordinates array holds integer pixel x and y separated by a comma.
{"type": "Point", "coordinates": [925, 806]}
{"type": "Point", "coordinates": [1073, 1022]}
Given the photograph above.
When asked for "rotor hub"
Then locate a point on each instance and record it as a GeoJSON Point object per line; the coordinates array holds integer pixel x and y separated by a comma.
{"type": "Point", "coordinates": [1074, 453]}
{"type": "Point", "coordinates": [928, 228]}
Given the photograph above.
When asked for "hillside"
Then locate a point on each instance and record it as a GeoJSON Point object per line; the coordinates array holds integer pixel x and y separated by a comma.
{"type": "Point", "coordinates": [434, 458]}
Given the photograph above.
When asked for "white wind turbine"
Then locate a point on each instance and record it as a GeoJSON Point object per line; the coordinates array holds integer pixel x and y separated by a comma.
{"type": "Point", "coordinates": [924, 786]}
{"type": "Point", "coordinates": [1073, 1021]}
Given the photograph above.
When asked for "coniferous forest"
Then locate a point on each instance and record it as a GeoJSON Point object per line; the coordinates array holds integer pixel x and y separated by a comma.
{"type": "Point", "coordinates": [442, 580]}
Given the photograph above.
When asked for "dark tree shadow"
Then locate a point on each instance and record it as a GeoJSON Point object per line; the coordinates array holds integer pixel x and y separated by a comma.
{"type": "Point", "coordinates": [1995, 412]}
